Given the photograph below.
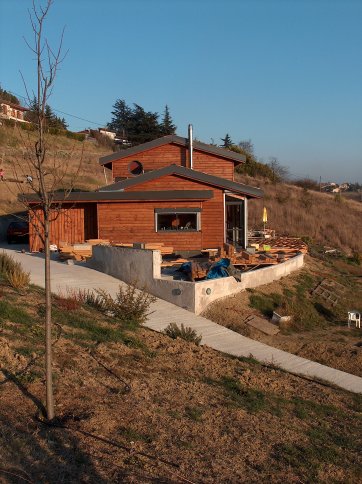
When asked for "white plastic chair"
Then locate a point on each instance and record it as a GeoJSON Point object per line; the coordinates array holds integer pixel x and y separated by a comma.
{"type": "Point", "coordinates": [354, 317]}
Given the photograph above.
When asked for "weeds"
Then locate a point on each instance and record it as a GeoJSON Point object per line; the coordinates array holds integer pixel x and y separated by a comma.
{"type": "Point", "coordinates": [130, 303]}
{"type": "Point", "coordinates": [186, 333]}
{"type": "Point", "coordinates": [13, 273]}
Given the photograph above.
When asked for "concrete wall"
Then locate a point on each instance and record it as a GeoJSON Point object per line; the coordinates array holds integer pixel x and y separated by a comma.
{"type": "Point", "coordinates": [219, 288]}
{"type": "Point", "coordinates": [143, 268]}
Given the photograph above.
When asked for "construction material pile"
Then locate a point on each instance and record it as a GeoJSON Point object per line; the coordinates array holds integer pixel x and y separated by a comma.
{"type": "Point", "coordinates": [79, 252]}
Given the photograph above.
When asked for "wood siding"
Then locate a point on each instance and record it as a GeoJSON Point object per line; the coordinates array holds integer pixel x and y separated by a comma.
{"type": "Point", "coordinates": [213, 165]}
{"type": "Point", "coordinates": [75, 224]}
{"type": "Point", "coordinates": [151, 159]}
{"type": "Point", "coordinates": [129, 222]}
{"type": "Point", "coordinates": [169, 154]}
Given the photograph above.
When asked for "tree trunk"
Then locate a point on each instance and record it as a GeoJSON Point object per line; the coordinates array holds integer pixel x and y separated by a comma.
{"type": "Point", "coordinates": [48, 325]}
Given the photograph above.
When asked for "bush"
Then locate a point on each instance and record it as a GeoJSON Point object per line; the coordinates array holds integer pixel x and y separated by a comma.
{"type": "Point", "coordinates": [130, 303]}
{"type": "Point", "coordinates": [76, 136]}
{"type": "Point", "coordinates": [17, 277]}
{"type": "Point", "coordinates": [85, 296]}
{"type": "Point", "coordinates": [7, 263]}
{"type": "Point", "coordinates": [186, 333]}
{"type": "Point", "coordinates": [13, 273]}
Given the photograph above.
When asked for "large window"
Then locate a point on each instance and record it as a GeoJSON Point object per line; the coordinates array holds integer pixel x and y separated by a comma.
{"type": "Point", "coordinates": [181, 219]}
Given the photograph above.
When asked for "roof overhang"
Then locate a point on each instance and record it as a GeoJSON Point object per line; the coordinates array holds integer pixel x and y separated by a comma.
{"type": "Point", "coordinates": [204, 178]}
{"type": "Point", "coordinates": [79, 197]}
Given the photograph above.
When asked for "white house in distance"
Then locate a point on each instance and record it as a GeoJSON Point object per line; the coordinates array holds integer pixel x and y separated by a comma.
{"type": "Point", "coordinates": [12, 111]}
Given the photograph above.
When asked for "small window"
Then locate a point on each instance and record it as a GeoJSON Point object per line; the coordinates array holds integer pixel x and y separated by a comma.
{"type": "Point", "coordinates": [181, 220]}
{"type": "Point", "coordinates": [135, 168]}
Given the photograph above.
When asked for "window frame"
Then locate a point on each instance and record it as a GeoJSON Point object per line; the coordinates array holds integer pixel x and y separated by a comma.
{"type": "Point", "coordinates": [178, 211]}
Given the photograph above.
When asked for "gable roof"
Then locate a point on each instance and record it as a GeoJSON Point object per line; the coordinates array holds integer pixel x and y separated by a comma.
{"type": "Point", "coordinates": [178, 140]}
{"type": "Point", "coordinates": [187, 173]}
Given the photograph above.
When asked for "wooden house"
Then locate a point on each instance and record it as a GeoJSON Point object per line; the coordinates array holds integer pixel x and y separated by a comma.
{"type": "Point", "coordinates": [167, 191]}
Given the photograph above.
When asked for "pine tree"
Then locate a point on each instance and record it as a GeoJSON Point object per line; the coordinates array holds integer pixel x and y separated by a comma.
{"type": "Point", "coordinates": [121, 118]}
{"type": "Point", "coordinates": [144, 126]}
{"type": "Point", "coordinates": [167, 126]}
{"type": "Point", "coordinates": [227, 143]}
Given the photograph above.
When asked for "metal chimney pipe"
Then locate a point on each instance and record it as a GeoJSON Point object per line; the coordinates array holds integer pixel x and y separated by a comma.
{"type": "Point", "coordinates": [190, 146]}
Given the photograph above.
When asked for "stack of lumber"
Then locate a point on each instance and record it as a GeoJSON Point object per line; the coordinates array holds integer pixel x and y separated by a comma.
{"type": "Point", "coordinates": [288, 244]}
{"type": "Point", "coordinates": [246, 259]}
{"type": "Point", "coordinates": [150, 246]}
{"type": "Point", "coordinates": [98, 242]}
{"type": "Point", "coordinates": [175, 262]}
{"type": "Point", "coordinates": [77, 252]}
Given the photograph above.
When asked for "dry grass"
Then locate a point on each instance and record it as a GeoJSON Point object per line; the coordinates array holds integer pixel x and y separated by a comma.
{"type": "Point", "coordinates": [12, 149]}
{"type": "Point", "coordinates": [317, 331]}
{"type": "Point", "coordinates": [141, 407]}
{"type": "Point", "coordinates": [325, 219]}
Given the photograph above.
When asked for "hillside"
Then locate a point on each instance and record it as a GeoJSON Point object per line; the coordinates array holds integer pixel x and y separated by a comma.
{"type": "Point", "coordinates": [137, 406]}
{"type": "Point", "coordinates": [322, 218]}
{"type": "Point", "coordinates": [12, 149]}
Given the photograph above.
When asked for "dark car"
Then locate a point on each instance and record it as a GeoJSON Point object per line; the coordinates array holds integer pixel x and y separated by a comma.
{"type": "Point", "coordinates": [18, 232]}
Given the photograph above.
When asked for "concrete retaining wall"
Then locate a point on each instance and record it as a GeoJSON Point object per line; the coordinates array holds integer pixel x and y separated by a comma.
{"type": "Point", "coordinates": [143, 268]}
{"type": "Point", "coordinates": [218, 288]}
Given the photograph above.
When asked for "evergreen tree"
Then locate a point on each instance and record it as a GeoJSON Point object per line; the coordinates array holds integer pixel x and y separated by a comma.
{"type": "Point", "coordinates": [137, 125]}
{"type": "Point", "coordinates": [144, 126]}
{"type": "Point", "coordinates": [52, 121]}
{"type": "Point", "coordinates": [227, 143]}
{"type": "Point", "coordinates": [121, 118]}
{"type": "Point", "coordinates": [167, 126]}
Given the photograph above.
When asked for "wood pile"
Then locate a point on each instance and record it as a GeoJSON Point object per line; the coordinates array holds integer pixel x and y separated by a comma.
{"type": "Point", "coordinates": [98, 242]}
{"type": "Point", "coordinates": [76, 252]}
{"type": "Point", "coordinates": [150, 246]}
{"type": "Point", "coordinates": [277, 250]}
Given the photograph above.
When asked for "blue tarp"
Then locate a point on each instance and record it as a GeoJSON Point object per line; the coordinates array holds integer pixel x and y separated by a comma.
{"type": "Point", "coordinates": [219, 269]}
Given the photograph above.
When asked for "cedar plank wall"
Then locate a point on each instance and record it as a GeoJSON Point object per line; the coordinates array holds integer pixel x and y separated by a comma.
{"type": "Point", "coordinates": [68, 227]}
{"type": "Point", "coordinates": [169, 154]}
{"type": "Point", "coordinates": [135, 221]}
{"type": "Point", "coordinates": [151, 159]}
{"type": "Point", "coordinates": [130, 222]}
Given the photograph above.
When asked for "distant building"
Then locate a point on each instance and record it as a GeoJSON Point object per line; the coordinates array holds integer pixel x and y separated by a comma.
{"type": "Point", "coordinates": [344, 187]}
{"type": "Point", "coordinates": [12, 111]}
{"type": "Point", "coordinates": [110, 134]}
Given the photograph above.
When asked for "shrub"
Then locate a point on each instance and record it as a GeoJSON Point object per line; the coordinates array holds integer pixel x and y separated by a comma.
{"type": "Point", "coordinates": [76, 136]}
{"type": "Point", "coordinates": [130, 303]}
{"type": "Point", "coordinates": [13, 273]}
{"type": "Point", "coordinates": [7, 263]}
{"type": "Point", "coordinates": [186, 333]}
{"type": "Point", "coordinates": [85, 296]}
{"type": "Point", "coordinates": [67, 303]}
{"type": "Point", "coordinates": [17, 277]}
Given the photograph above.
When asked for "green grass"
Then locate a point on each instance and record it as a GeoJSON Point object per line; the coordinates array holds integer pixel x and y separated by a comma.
{"type": "Point", "coordinates": [265, 303]}
{"type": "Point", "coordinates": [14, 314]}
{"type": "Point", "coordinates": [325, 445]}
{"type": "Point", "coordinates": [194, 413]}
{"type": "Point", "coordinates": [250, 399]}
{"type": "Point", "coordinates": [134, 435]}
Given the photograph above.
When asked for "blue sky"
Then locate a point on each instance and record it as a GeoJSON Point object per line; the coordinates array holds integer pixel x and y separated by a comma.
{"type": "Point", "coordinates": [285, 73]}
